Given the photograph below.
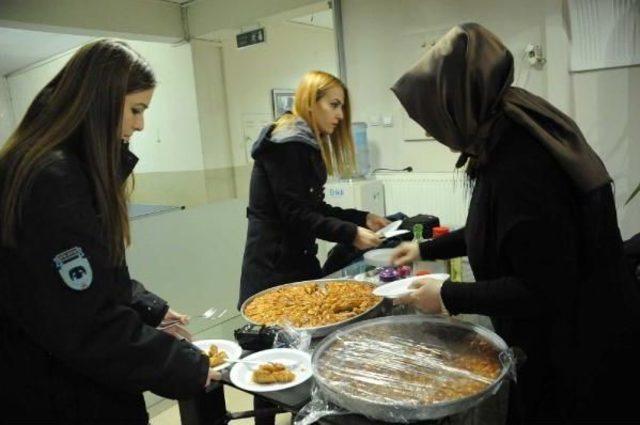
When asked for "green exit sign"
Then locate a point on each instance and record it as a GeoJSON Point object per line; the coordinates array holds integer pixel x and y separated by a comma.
{"type": "Point", "coordinates": [250, 38]}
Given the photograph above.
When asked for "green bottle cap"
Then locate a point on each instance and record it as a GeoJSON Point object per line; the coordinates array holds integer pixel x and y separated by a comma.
{"type": "Point", "coordinates": [417, 232]}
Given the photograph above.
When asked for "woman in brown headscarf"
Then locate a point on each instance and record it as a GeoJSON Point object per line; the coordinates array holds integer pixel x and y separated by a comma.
{"type": "Point", "coordinates": [541, 233]}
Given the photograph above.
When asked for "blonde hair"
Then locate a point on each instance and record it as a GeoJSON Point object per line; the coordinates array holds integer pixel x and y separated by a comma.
{"type": "Point", "coordinates": [338, 152]}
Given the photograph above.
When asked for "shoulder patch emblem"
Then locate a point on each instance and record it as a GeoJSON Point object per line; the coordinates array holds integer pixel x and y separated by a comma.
{"type": "Point", "coordinates": [74, 268]}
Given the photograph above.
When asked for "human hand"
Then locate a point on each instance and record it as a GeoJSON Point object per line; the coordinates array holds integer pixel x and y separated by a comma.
{"type": "Point", "coordinates": [426, 298]}
{"type": "Point", "coordinates": [173, 324]}
{"type": "Point", "coordinates": [375, 222]}
{"type": "Point", "coordinates": [405, 253]}
{"type": "Point", "coordinates": [366, 239]}
{"type": "Point", "coordinates": [212, 376]}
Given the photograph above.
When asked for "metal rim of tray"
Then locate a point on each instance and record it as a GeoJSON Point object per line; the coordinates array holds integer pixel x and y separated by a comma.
{"type": "Point", "coordinates": [429, 411]}
{"type": "Point", "coordinates": [318, 330]}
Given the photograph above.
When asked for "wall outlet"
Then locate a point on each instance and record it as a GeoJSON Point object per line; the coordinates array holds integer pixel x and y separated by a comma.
{"type": "Point", "coordinates": [534, 54]}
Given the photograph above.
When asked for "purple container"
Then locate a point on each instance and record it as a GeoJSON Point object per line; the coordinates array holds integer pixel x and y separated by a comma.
{"type": "Point", "coordinates": [388, 274]}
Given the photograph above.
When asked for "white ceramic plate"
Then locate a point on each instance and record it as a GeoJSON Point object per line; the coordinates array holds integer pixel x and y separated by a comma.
{"type": "Point", "coordinates": [241, 374]}
{"type": "Point", "coordinates": [378, 257]}
{"type": "Point", "coordinates": [233, 350]}
{"type": "Point", "coordinates": [394, 233]}
{"type": "Point", "coordinates": [392, 227]}
{"type": "Point", "coordinates": [400, 288]}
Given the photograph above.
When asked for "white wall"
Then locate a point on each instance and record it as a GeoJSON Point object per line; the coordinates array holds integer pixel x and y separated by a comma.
{"type": "Point", "coordinates": [171, 139]}
{"type": "Point", "coordinates": [7, 120]}
{"type": "Point", "coordinates": [251, 73]}
{"type": "Point", "coordinates": [383, 38]}
{"type": "Point", "coordinates": [212, 103]}
{"type": "Point", "coordinates": [173, 116]}
{"type": "Point", "coordinates": [607, 103]}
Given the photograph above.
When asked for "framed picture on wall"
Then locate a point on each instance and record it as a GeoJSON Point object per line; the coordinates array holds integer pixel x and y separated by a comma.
{"type": "Point", "coordinates": [281, 101]}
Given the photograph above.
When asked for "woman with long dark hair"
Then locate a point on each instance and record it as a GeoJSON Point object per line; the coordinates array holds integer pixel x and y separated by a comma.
{"type": "Point", "coordinates": [77, 345]}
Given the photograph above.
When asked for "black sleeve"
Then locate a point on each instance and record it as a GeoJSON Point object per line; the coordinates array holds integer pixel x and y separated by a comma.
{"type": "Point", "coordinates": [543, 273]}
{"type": "Point", "coordinates": [445, 247]}
{"type": "Point", "coordinates": [632, 248]}
{"type": "Point", "coordinates": [286, 165]}
{"type": "Point", "coordinates": [92, 331]}
{"type": "Point", "coordinates": [351, 215]}
{"type": "Point", "coordinates": [149, 306]}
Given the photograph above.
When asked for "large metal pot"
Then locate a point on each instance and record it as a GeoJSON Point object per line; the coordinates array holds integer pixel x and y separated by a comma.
{"type": "Point", "coordinates": [403, 368]}
{"type": "Point", "coordinates": [318, 331]}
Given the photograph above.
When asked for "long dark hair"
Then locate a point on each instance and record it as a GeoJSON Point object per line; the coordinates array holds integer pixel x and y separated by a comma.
{"type": "Point", "coordinates": [85, 99]}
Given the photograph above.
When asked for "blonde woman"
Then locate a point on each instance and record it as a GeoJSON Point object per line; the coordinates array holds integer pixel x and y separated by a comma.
{"type": "Point", "coordinates": [286, 209]}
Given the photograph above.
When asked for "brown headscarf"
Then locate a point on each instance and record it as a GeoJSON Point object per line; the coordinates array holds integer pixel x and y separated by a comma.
{"type": "Point", "coordinates": [461, 88]}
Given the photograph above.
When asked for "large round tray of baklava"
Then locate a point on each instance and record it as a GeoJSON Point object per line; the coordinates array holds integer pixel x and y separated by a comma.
{"type": "Point", "coordinates": [318, 307]}
{"type": "Point", "coordinates": [410, 368]}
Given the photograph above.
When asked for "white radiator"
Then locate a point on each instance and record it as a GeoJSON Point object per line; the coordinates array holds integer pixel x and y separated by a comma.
{"type": "Point", "coordinates": [444, 195]}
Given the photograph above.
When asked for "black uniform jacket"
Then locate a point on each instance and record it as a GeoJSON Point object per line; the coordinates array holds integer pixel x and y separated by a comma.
{"type": "Point", "coordinates": [78, 342]}
{"type": "Point", "coordinates": [287, 211]}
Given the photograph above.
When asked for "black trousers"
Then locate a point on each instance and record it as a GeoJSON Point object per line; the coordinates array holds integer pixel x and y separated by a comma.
{"type": "Point", "coordinates": [259, 403]}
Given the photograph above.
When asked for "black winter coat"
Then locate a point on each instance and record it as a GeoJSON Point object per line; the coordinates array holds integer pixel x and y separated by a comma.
{"type": "Point", "coordinates": [287, 213]}
{"type": "Point", "coordinates": [78, 343]}
{"type": "Point", "coordinates": [551, 273]}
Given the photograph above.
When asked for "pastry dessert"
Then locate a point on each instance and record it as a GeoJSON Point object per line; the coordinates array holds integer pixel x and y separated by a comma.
{"type": "Point", "coordinates": [313, 304]}
{"type": "Point", "coordinates": [273, 373]}
{"type": "Point", "coordinates": [216, 356]}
